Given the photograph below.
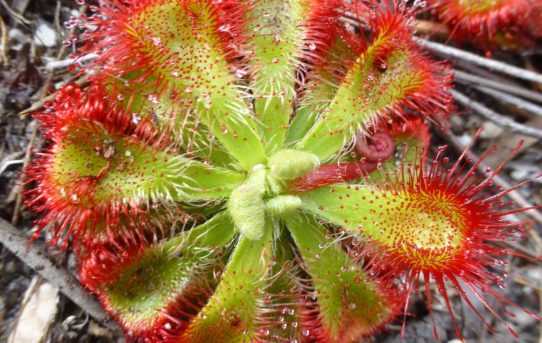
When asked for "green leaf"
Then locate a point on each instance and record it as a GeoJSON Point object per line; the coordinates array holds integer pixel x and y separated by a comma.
{"type": "Point", "coordinates": [419, 225]}
{"type": "Point", "coordinates": [277, 33]}
{"type": "Point", "coordinates": [350, 303]}
{"type": "Point", "coordinates": [92, 165]}
{"type": "Point", "coordinates": [186, 51]}
{"type": "Point", "coordinates": [285, 315]}
{"type": "Point", "coordinates": [322, 85]}
{"type": "Point", "coordinates": [232, 312]}
{"type": "Point", "coordinates": [178, 121]}
{"type": "Point", "coordinates": [146, 287]}
{"type": "Point", "coordinates": [371, 88]}
{"type": "Point", "coordinates": [215, 232]}
{"type": "Point", "coordinates": [174, 270]}
{"type": "Point", "coordinates": [315, 102]}
{"type": "Point", "coordinates": [197, 181]}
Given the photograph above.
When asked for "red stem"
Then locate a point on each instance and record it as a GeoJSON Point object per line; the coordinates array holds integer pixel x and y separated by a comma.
{"type": "Point", "coordinates": [330, 174]}
{"type": "Point", "coordinates": [380, 149]}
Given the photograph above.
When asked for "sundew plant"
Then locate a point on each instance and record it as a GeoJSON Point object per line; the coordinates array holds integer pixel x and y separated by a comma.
{"type": "Point", "coordinates": [507, 24]}
{"type": "Point", "coordinates": [260, 171]}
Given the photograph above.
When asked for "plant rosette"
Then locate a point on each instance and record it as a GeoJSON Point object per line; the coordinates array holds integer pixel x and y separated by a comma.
{"type": "Point", "coordinates": [243, 171]}
{"type": "Point", "coordinates": [507, 24]}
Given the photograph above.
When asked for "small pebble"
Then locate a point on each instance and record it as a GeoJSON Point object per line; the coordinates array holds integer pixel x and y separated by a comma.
{"type": "Point", "coordinates": [45, 35]}
{"type": "Point", "coordinates": [490, 130]}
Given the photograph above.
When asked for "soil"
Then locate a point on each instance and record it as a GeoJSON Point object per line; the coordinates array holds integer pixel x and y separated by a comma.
{"type": "Point", "coordinates": [34, 37]}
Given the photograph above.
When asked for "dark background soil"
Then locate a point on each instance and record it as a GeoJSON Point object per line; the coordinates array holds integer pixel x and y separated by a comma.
{"type": "Point", "coordinates": [24, 80]}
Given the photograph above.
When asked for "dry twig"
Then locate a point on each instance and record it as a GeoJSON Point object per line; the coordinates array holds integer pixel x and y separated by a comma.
{"type": "Point", "coordinates": [469, 79]}
{"type": "Point", "coordinates": [16, 16]}
{"type": "Point", "coordinates": [512, 100]}
{"type": "Point", "coordinates": [39, 104]}
{"type": "Point", "coordinates": [26, 162]}
{"type": "Point", "coordinates": [3, 42]}
{"type": "Point", "coordinates": [70, 61]}
{"type": "Point", "coordinates": [495, 117]}
{"type": "Point", "coordinates": [36, 258]}
{"type": "Point", "coordinates": [497, 66]}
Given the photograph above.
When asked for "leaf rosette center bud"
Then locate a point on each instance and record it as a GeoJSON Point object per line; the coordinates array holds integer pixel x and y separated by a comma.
{"type": "Point", "coordinates": [262, 192]}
